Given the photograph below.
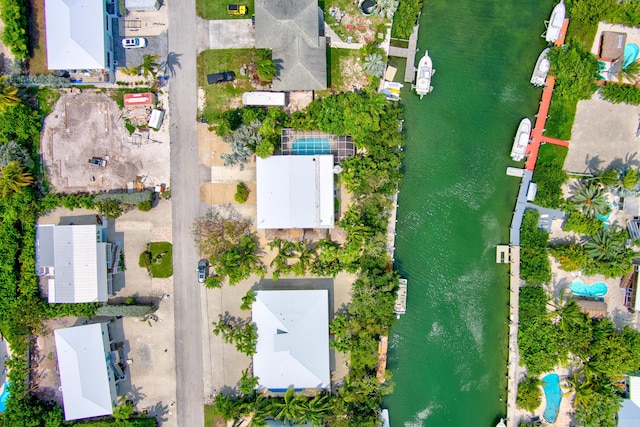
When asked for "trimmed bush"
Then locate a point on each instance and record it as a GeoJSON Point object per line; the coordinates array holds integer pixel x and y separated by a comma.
{"type": "Point", "coordinates": [14, 36]}
{"type": "Point", "coordinates": [145, 259]}
{"type": "Point", "coordinates": [145, 206]}
{"type": "Point", "coordinates": [616, 94]}
{"type": "Point", "coordinates": [125, 310]}
{"type": "Point", "coordinates": [128, 198]}
{"type": "Point", "coordinates": [242, 193]}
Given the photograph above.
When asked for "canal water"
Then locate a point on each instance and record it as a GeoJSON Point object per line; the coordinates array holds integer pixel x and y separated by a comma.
{"type": "Point", "coordinates": [448, 352]}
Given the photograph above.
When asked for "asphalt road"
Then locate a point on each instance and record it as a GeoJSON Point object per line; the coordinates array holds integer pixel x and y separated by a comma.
{"type": "Point", "coordinates": [185, 183]}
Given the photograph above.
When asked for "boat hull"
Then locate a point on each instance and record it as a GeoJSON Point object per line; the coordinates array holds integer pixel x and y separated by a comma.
{"type": "Point", "coordinates": [555, 23]}
{"type": "Point", "coordinates": [540, 71]}
{"type": "Point", "coordinates": [520, 142]}
{"type": "Point", "coordinates": [423, 75]}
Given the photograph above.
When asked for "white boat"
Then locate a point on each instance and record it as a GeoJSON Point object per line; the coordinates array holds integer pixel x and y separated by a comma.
{"type": "Point", "coordinates": [401, 298]}
{"type": "Point", "coordinates": [539, 76]}
{"type": "Point", "coordinates": [554, 24]}
{"type": "Point", "coordinates": [384, 416]}
{"type": "Point", "coordinates": [391, 90]}
{"type": "Point", "coordinates": [521, 140]}
{"type": "Point", "coordinates": [423, 75]}
{"type": "Point", "coordinates": [501, 423]}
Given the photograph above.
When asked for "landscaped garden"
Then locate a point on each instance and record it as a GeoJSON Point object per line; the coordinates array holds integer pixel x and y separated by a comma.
{"type": "Point", "coordinates": [158, 259]}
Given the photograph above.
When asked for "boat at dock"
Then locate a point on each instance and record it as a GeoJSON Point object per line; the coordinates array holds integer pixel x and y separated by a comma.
{"type": "Point", "coordinates": [401, 298]}
{"type": "Point", "coordinates": [501, 423]}
{"type": "Point", "coordinates": [554, 24]}
{"type": "Point", "coordinates": [384, 416]}
{"type": "Point", "coordinates": [423, 75]}
{"type": "Point", "coordinates": [539, 76]}
{"type": "Point", "coordinates": [521, 140]}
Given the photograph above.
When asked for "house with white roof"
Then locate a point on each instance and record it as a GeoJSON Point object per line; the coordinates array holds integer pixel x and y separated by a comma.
{"type": "Point", "coordinates": [86, 371]}
{"type": "Point", "coordinates": [79, 34]}
{"type": "Point", "coordinates": [629, 414]}
{"type": "Point", "coordinates": [293, 339]}
{"type": "Point", "coordinates": [76, 261]}
{"type": "Point", "coordinates": [295, 192]}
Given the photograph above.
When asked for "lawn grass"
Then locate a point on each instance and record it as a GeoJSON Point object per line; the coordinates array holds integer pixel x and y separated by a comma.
{"type": "Point", "coordinates": [583, 31]}
{"type": "Point", "coordinates": [562, 113]}
{"type": "Point", "coordinates": [401, 65]}
{"type": "Point", "coordinates": [162, 259]}
{"type": "Point", "coordinates": [38, 60]}
{"type": "Point", "coordinates": [46, 99]}
{"type": "Point", "coordinates": [209, 416]}
{"type": "Point", "coordinates": [334, 71]}
{"type": "Point", "coordinates": [217, 96]}
{"type": "Point", "coordinates": [216, 9]}
{"type": "Point", "coordinates": [550, 175]}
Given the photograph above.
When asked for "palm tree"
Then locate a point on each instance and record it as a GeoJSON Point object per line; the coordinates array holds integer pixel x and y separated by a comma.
{"type": "Point", "coordinates": [590, 199]}
{"type": "Point", "coordinates": [629, 72]}
{"type": "Point", "coordinates": [585, 392]}
{"type": "Point", "coordinates": [13, 178]}
{"type": "Point", "coordinates": [567, 312]}
{"type": "Point", "coordinates": [131, 71]}
{"type": "Point", "coordinates": [8, 94]}
{"type": "Point", "coordinates": [374, 65]}
{"type": "Point", "coordinates": [605, 246]}
{"type": "Point", "coordinates": [318, 407]}
{"type": "Point", "coordinates": [305, 256]}
{"type": "Point", "coordinates": [149, 65]}
{"type": "Point", "coordinates": [607, 177]}
{"type": "Point", "coordinates": [290, 409]}
{"type": "Point", "coordinates": [385, 8]}
{"type": "Point", "coordinates": [266, 70]}
{"type": "Point", "coordinates": [629, 179]}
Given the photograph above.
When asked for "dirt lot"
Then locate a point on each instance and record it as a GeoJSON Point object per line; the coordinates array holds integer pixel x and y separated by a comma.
{"type": "Point", "coordinates": [87, 124]}
{"type": "Point", "coordinates": [148, 345]}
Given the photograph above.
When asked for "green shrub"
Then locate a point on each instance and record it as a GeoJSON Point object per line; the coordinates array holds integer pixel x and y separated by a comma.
{"type": "Point", "coordinates": [14, 16]}
{"type": "Point", "coordinates": [529, 394]}
{"type": "Point", "coordinates": [534, 261]}
{"type": "Point", "coordinates": [242, 193]}
{"type": "Point", "coordinates": [549, 175]}
{"type": "Point", "coordinates": [616, 94]}
{"type": "Point", "coordinates": [145, 260]}
{"type": "Point", "coordinates": [125, 310]}
{"type": "Point", "coordinates": [128, 198]}
{"type": "Point", "coordinates": [405, 18]}
{"type": "Point", "coordinates": [582, 224]}
{"type": "Point", "coordinates": [112, 209]}
{"type": "Point", "coordinates": [145, 206]}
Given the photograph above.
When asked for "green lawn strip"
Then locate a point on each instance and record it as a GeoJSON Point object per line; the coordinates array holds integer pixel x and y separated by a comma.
{"type": "Point", "coordinates": [334, 73]}
{"type": "Point", "coordinates": [583, 31]}
{"type": "Point", "coordinates": [209, 9]}
{"type": "Point", "coordinates": [400, 64]}
{"type": "Point", "coordinates": [562, 113]}
{"type": "Point", "coordinates": [209, 415]}
{"type": "Point", "coordinates": [162, 252]}
{"type": "Point", "coordinates": [217, 95]}
{"type": "Point", "coordinates": [549, 175]}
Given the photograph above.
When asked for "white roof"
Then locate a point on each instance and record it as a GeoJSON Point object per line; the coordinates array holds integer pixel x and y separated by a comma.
{"type": "Point", "coordinates": [293, 339]}
{"type": "Point", "coordinates": [88, 389]}
{"type": "Point", "coordinates": [79, 262]}
{"type": "Point", "coordinates": [629, 414]}
{"type": "Point", "coordinates": [295, 191]}
{"type": "Point", "coordinates": [264, 98]}
{"type": "Point", "coordinates": [75, 31]}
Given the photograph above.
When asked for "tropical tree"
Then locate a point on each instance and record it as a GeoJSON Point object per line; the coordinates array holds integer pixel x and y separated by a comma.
{"type": "Point", "coordinates": [248, 382]}
{"type": "Point", "coordinates": [317, 408]}
{"type": "Point", "coordinates": [248, 299]}
{"type": "Point", "coordinates": [8, 94]}
{"type": "Point", "coordinates": [590, 199]}
{"type": "Point", "coordinates": [227, 408]}
{"type": "Point", "coordinates": [290, 409]}
{"type": "Point", "coordinates": [258, 408]}
{"type": "Point", "coordinates": [131, 71]}
{"type": "Point", "coordinates": [13, 151]}
{"type": "Point", "coordinates": [266, 70]}
{"type": "Point", "coordinates": [629, 72]}
{"type": "Point", "coordinates": [566, 313]}
{"type": "Point", "coordinates": [584, 390]}
{"type": "Point", "coordinates": [306, 254]}
{"type": "Point", "coordinates": [149, 66]}
{"type": "Point", "coordinates": [374, 65]}
{"type": "Point", "coordinates": [605, 246]}
{"type": "Point", "coordinates": [529, 393]}
{"type": "Point", "coordinates": [13, 178]}
{"type": "Point", "coordinates": [384, 8]}
{"type": "Point", "coordinates": [607, 177]}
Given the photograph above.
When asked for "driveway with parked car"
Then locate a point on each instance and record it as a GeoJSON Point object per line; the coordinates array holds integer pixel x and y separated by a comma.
{"type": "Point", "coordinates": [132, 55]}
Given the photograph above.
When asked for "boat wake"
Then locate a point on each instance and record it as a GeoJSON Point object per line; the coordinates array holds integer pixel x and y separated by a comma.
{"type": "Point", "coordinates": [419, 418]}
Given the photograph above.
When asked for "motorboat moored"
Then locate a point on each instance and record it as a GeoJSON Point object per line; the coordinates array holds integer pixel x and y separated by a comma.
{"type": "Point", "coordinates": [401, 298]}
{"type": "Point", "coordinates": [554, 24]}
{"type": "Point", "coordinates": [521, 140]}
{"type": "Point", "coordinates": [539, 76]}
{"type": "Point", "coordinates": [423, 75]}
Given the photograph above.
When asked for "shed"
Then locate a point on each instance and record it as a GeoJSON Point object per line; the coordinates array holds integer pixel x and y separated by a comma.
{"type": "Point", "coordinates": [594, 309]}
{"type": "Point", "coordinates": [145, 98]}
{"type": "Point", "coordinates": [155, 121]}
{"type": "Point", "coordinates": [142, 5]}
{"type": "Point", "coordinates": [612, 45]}
{"type": "Point", "coordinates": [275, 99]}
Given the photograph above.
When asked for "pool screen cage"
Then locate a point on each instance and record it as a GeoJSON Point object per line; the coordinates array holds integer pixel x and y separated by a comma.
{"type": "Point", "coordinates": [341, 146]}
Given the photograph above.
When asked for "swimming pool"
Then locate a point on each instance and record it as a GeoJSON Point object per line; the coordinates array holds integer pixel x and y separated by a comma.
{"type": "Point", "coordinates": [4, 397]}
{"type": "Point", "coordinates": [604, 219]}
{"type": "Point", "coordinates": [553, 394]}
{"type": "Point", "coordinates": [596, 289]}
{"type": "Point", "coordinates": [311, 146]}
{"type": "Point", "coordinates": [630, 53]}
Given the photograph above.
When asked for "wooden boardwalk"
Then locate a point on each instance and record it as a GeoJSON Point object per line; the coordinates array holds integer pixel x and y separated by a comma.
{"type": "Point", "coordinates": [409, 53]}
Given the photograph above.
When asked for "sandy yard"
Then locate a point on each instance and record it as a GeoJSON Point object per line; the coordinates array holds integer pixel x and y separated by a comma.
{"type": "Point", "coordinates": [147, 344]}
{"type": "Point", "coordinates": [601, 144]}
{"type": "Point", "coordinates": [83, 125]}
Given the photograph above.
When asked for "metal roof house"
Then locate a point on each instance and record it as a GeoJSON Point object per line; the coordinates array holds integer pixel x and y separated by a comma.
{"type": "Point", "coordinates": [293, 339]}
{"type": "Point", "coordinates": [78, 34]}
{"type": "Point", "coordinates": [292, 30]}
{"type": "Point", "coordinates": [295, 192]}
{"type": "Point", "coordinates": [86, 374]}
{"type": "Point", "coordinates": [77, 262]}
{"type": "Point", "coordinates": [629, 414]}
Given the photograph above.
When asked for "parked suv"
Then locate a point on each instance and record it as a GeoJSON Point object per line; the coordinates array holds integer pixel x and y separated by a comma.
{"type": "Point", "coordinates": [134, 42]}
{"type": "Point", "coordinates": [227, 76]}
{"type": "Point", "coordinates": [203, 269]}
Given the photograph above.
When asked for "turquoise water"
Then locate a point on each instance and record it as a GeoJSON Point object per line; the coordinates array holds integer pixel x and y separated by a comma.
{"type": "Point", "coordinates": [4, 397]}
{"type": "Point", "coordinates": [311, 146]}
{"type": "Point", "coordinates": [597, 289]}
{"type": "Point", "coordinates": [553, 394]}
{"type": "Point", "coordinates": [630, 53]}
{"type": "Point", "coordinates": [604, 219]}
{"type": "Point", "coordinates": [448, 352]}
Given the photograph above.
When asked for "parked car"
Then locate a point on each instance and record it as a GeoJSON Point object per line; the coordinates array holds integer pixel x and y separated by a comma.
{"type": "Point", "coordinates": [98, 161]}
{"type": "Point", "coordinates": [134, 42]}
{"type": "Point", "coordinates": [227, 76]}
{"type": "Point", "coordinates": [203, 269]}
{"type": "Point", "coordinates": [236, 9]}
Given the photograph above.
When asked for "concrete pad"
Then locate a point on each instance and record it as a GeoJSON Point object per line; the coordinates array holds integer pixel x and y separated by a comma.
{"type": "Point", "coordinates": [231, 34]}
{"type": "Point", "coordinates": [222, 194]}
{"type": "Point", "coordinates": [227, 174]}
{"type": "Point", "coordinates": [210, 146]}
{"type": "Point", "coordinates": [603, 136]}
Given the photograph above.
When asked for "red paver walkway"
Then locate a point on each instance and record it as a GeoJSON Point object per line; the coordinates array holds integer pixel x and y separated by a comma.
{"type": "Point", "coordinates": [547, 140]}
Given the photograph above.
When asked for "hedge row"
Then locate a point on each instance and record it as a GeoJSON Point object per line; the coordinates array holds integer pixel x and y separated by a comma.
{"type": "Point", "coordinates": [14, 36]}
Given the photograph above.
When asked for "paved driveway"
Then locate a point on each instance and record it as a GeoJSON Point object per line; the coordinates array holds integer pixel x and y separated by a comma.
{"type": "Point", "coordinates": [156, 45]}
{"type": "Point", "coordinates": [225, 34]}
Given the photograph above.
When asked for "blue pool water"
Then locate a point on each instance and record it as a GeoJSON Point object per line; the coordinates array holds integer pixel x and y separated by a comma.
{"type": "Point", "coordinates": [4, 396]}
{"type": "Point", "coordinates": [597, 289]}
{"type": "Point", "coordinates": [311, 146]}
{"type": "Point", "coordinates": [605, 219]}
{"type": "Point", "coordinates": [553, 394]}
{"type": "Point", "coordinates": [630, 53]}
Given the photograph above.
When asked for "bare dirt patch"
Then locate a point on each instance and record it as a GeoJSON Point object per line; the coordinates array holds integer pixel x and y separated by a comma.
{"type": "Point", "coordinates": [353, 75]}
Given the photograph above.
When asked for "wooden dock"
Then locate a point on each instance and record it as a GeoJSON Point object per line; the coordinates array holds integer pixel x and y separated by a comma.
{"type": "Point", "coordinates": [409, 53]}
